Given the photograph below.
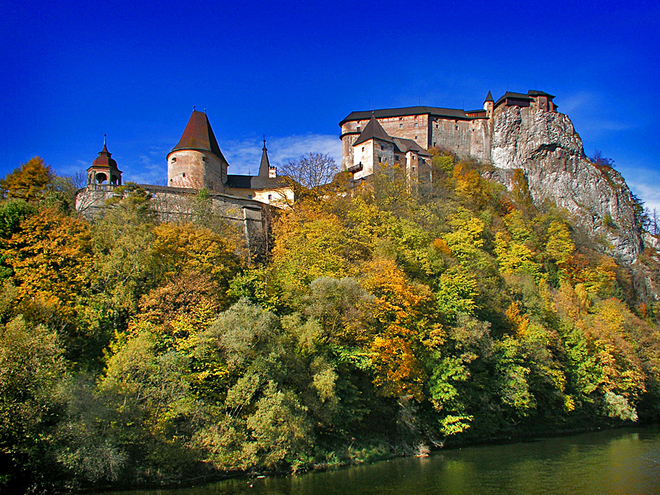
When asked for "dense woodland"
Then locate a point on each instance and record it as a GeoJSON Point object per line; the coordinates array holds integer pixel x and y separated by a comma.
{"type": "Point", "coordinates": [384, 321]}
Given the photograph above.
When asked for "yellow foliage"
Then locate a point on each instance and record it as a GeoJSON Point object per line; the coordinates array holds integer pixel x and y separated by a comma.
{"type": "Point", "coordinates": [519, 321]}
{"type": "Point", "coordinates": [51, 258]}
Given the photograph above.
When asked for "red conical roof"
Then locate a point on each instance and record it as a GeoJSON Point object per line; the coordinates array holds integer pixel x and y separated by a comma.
{"type": "Point", "coordinates": [198, 135]}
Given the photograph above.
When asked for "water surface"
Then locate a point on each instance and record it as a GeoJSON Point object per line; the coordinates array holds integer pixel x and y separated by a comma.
{"type": "Point", "coordinates": [624, 461]}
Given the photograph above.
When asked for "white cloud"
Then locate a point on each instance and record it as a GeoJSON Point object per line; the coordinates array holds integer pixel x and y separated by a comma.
{"type": "Point", "coordinates": [645, 184]}
{"type": "Point", "coordinates": [579, 101]}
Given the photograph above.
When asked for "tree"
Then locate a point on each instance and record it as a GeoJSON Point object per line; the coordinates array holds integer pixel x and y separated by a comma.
{"type": "Point", "coordinates": [600, 160]}
{"type": "Point", "coordinates": [29, 181]}
{"type": "Point", "coordinates": [311, 170]}
{"type": "Point", "coordinates": [32, 370]}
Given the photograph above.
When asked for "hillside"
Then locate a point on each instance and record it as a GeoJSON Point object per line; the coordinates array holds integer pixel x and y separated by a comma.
{"type": "Point", "coordinates": [388, 320]}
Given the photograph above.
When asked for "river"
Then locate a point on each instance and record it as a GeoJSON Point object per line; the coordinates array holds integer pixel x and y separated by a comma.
{"type": "Point", "coordinates": [623, 461]}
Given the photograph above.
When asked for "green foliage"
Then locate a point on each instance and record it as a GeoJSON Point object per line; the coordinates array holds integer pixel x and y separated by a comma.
{"type": "Point", "coordinates": [138, 351]}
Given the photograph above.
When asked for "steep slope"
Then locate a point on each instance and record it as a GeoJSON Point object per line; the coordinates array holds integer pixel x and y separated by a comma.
{"type": "Point", "coordinates": [549, 151]}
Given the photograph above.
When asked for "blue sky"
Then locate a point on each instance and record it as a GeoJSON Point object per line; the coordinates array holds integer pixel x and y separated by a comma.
{"type": "Point", "coordinates": [74, 71]}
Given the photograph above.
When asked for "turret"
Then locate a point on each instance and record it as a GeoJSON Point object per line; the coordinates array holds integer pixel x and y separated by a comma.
{"type": "Point", "coordinates": [489, 104]}
{"type": "Point", "coordinates": [104, 169]}
{"type": "Point", "coordinates": [196, 161]}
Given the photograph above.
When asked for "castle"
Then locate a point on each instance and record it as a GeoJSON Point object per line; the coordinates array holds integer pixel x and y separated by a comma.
{"type": "Point", "coordinates": [396, 136]}
{"type": "Point", "coordinates": [194, 164]}
{"type": "Point", "coordinates": [402, 135]}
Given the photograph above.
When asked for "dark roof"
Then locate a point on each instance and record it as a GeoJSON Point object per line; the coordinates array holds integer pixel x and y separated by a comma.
{"type": "Point", "coordinates": [104, 159]}
{"type": "Point", "coordinates": [405, 145]}
{"type": "Point", "coordinates": [254, 182]}
{"type": "Point", "coordinates": [522, 96]}
{"type": "Point", "coordinates": [489, 97]}
{"type": "Point", "coordinates": [264, 166]}
{"type": "Point", "coordinates": [400, 112]}
{"type": "Point", "coordinates": [239, 181]}
{"type": "Point", "coordinates": [373, 130]}
{"type": "Point", "coordinates": [199, 136]}
{"type": "Point", "coordinates": [533, 92]}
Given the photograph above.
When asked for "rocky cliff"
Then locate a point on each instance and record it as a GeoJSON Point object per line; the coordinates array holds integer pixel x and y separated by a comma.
{"type": "Point", "coordinates": [549, 151]}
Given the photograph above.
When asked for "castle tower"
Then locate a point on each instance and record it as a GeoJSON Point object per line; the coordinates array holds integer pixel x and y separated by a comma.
{"type": "Point", "coordinates": [265, 169]}
{"type": "Point", "coordinates": [104, 169]}
{"type": "Point", "coordinates": [196, 161]}
{"type": "Point", "coordinates": [489, 104]}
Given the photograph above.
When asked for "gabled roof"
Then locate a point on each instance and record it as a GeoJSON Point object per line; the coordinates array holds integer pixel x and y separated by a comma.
{"type": "Point", "coordinates": [373, 130]}
{"type": "Point", "coordinates": [405, 145]}
{"type": "Point", "coordinates": [401, 112]}
{"type": "Point", "coordinates": [199, 136]}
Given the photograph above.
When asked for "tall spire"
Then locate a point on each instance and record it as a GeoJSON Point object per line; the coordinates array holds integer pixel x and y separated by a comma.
{"type": "Point", "coordinates": [264, 167]}
{"type": "Point", "coordinates": [489, 97]}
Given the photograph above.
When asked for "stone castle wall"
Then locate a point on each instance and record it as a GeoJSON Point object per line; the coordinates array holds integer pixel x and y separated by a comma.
{"type": "Point", "coordinates": [466, 138]}
{"type": "Point", "coordinates": [246, 220]}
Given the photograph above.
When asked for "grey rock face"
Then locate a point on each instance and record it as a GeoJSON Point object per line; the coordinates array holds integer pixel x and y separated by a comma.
{"type": "Point", "coordinates": [550, 153]}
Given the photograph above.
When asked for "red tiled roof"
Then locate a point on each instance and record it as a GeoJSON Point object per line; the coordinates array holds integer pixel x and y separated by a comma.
{"type": "Point", "coordinates": [198, 135]}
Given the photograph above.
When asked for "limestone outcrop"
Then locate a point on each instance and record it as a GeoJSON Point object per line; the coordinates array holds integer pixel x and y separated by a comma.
{"type": "Point", "coordinates": [545, 146]}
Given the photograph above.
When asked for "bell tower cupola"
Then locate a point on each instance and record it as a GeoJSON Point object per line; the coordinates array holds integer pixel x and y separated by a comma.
{"type": "Point", "coordinates": [104, 169]}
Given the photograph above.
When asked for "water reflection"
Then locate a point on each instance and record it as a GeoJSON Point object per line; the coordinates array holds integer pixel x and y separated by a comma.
{"type": "Point", "coordinates": [611, 462]}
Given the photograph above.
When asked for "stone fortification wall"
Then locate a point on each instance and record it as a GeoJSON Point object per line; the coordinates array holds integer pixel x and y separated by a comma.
{"type": "Point", "coordinates": [466, 138]}
{"type": "Point", "coordinates": [248, 220]}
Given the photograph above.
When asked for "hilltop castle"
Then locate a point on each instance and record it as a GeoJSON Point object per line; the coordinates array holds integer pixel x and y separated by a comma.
{"type": "Point", "coordinates": [196, 163]}
{"type": "Point", "coordinates": [402, 135]}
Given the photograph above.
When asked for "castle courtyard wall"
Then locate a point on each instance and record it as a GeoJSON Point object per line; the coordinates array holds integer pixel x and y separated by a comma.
{"type": "Point", "coordinates": [248, 220]}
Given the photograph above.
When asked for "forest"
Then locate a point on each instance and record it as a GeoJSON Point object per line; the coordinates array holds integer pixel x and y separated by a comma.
{"type": "Point", "coordinates": [386, 320]}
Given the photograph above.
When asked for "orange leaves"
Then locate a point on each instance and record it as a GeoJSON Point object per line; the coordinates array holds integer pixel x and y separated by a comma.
{"type": "Point", "coordinates": [400, 313]}
{"type": "Point", "coordinates": [29, 181]}
{"type": "Point", "coordinates": [50, 257]}
{"type": "Point", "coordinates": [399, 370]}
{"type": "Point", "coordinates": [519, 321]}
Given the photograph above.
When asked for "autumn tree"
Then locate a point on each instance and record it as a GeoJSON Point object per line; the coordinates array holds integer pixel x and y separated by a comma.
{"type": "Point", "coordinates": [311, 170]}
{"type": "Point", "coordinates": [29, 181]}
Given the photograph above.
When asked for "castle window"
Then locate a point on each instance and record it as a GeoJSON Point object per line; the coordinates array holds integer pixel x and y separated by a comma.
{"type": "Point", "coordinates": [437, 126]}
{"type": "Point", "coordinates": [362, 148]}
{"type": "Point", "coordinates": [456, 127]}
{"type": "Point", "coordinates": [381, 147]}
{"type": "Point", "coordinates": [416, 124]}
{"type": "Point", "coordinates": [183, 174]}
{"type": "Point", "coordinates": [413, 169]}
{"type": "Point", "coordinates": [173, 159]}
{"type": "Point", "coordinates": [416, 137]}
{"type": "Point", "coordinates": [270, 197]}
{"type": "Point", "coordinates": [358, 128]}
{"type": "Point", "coordinates": [400, 125]}
{"type": "Point", "coordinates": [203, 158]}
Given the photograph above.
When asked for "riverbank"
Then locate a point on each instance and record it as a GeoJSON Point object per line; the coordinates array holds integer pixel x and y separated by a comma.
{"type": "Point", "coordinates": [624, 460]}
{"type": "Point", "coordinates": [368, 454]}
